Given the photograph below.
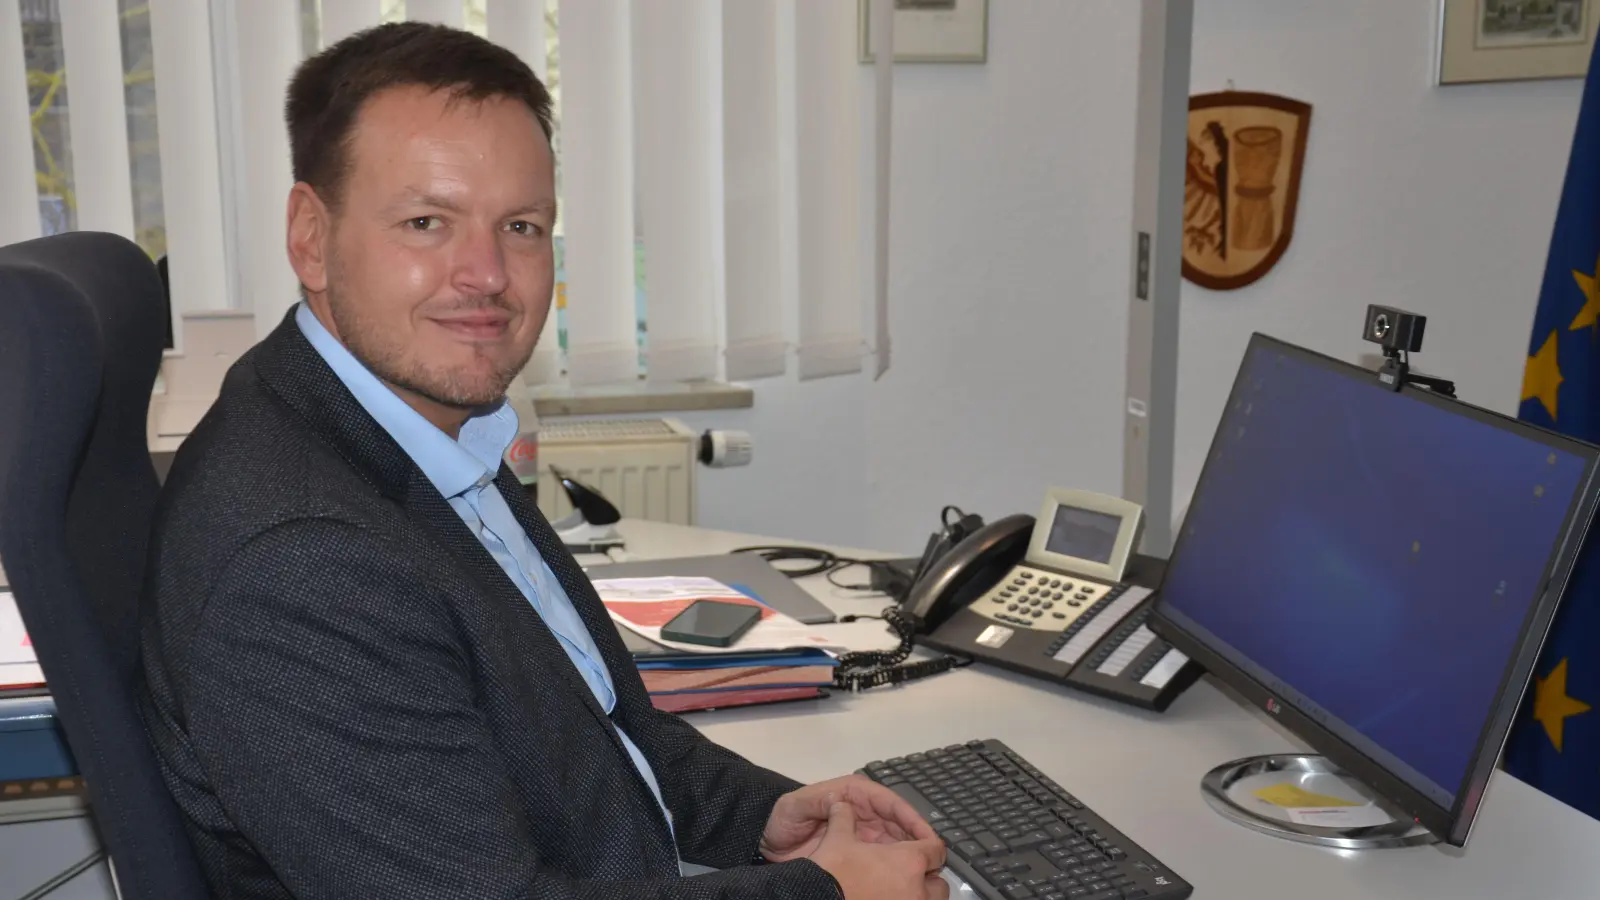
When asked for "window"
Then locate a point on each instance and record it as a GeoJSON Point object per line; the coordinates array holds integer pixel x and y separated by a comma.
{"type": "Point", "coordinates": [49, 105]}
{"type": "Point", "coordinates": [552, 81]}
{"type": "Point", "coordinates": [694, 106]}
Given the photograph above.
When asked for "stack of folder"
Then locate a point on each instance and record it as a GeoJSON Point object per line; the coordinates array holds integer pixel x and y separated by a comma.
{"type": "Point", "coordinates": [682, 681]}
{"type": "Point", "coordinates": [778, 660]}
{"type": "Point", "coordinates": [38, 777]}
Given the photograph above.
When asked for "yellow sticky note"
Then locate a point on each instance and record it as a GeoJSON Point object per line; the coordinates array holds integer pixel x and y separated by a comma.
{"type": "Point", "coordinates": [1292, 796]}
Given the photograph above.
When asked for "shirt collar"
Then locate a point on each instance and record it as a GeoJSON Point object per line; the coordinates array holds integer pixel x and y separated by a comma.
{"type": "Point", "coordinates": [453, 466]}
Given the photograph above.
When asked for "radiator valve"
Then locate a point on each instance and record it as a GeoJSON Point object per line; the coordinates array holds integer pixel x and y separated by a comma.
{"type": "Point", "coordinates": [723, 449]}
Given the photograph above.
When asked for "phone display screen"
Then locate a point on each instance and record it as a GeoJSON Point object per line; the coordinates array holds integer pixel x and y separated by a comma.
{"type": "Point", "coordinates": [714, 619]}
{"type": "Point", "coordinates": [1083, 534]}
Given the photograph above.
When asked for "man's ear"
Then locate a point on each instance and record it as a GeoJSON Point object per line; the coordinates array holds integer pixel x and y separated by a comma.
{"type": "Point", "coordinates": [308, 234]}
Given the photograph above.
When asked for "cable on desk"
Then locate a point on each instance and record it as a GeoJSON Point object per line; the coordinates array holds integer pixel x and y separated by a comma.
{"type": "Point", "coordinates": [865, 669]}
{"type": "Point", "coordinates": [822, 562]}
{"type": "Point", "coordinates": [77, 868]}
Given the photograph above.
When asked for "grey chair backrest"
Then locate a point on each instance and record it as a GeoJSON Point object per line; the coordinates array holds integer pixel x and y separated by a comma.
{"type": "Point", "coordinates": [81, 333]}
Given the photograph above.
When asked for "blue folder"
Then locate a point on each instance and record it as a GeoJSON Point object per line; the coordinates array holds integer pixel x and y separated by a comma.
{"type": "Point", "coordinates": [32, 744]}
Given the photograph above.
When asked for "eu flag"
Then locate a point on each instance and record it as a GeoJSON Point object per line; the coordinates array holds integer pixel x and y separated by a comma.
{"type": "Point", "coordinates": [1555, 743]}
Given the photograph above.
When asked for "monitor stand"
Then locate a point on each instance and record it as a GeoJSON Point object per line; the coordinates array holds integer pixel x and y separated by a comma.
{"type": "Point", "coordinates": [1233, 790]}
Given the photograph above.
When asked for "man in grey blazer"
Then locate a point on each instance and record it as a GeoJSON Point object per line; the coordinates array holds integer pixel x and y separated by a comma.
{"type": "Point", "coordinates": [371, 669]}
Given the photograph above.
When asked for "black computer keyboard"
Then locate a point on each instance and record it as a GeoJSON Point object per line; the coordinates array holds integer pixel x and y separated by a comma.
{"type": "Point", "coordinates": [1012, 833]}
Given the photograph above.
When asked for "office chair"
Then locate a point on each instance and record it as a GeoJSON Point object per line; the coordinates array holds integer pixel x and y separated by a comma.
{"type": "Point", "coordinates": [80, 342]}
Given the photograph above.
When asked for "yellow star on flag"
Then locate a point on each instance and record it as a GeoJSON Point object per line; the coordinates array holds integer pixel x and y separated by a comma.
{"type": "Point", "coordinates": [1552, 706]}
{"type": "Point", "coordinates": [1542, 377]}
{"type": "Point", "coordinates": [1589, 316]}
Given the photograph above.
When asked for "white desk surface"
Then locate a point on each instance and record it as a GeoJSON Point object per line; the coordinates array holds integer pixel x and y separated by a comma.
{"type": "Point", "coordinates": [1140, 770]}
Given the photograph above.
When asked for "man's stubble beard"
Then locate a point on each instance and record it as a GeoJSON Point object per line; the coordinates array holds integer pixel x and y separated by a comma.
{"type": "Point", "coordinates": [391, 364]}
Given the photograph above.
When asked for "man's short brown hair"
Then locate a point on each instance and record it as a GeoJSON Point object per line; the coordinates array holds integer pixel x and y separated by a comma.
{"type": "Point", "coordinates": [329, 89]}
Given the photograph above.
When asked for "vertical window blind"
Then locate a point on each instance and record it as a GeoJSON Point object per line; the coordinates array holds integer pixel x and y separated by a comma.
{"type": "Point", "coordinates": [722, 164]}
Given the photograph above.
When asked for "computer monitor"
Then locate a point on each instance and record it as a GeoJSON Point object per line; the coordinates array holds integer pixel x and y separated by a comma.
{"type": "Point", "coordinates": [1378, 569]}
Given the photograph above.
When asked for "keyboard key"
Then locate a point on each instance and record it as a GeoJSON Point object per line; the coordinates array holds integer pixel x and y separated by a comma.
{"type": "Point", "coordinates": [990, 842]}
{"type": "Point", "coordinates": [1027, 841]}
{"type": "Point", "coordinates": [1021, 892]}
{"type": "Point", "coordinates": [970, 850]}
{"type": "Point", "coordinates": [1134, 893]}
{"type": "Point", "coordinates": [1108, 894]}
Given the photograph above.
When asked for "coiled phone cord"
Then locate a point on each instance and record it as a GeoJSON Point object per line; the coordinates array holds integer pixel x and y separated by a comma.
{"type": "Point", "coordinates": [861, 670]}
{"type": "Point", "coordinates": [865, 669]}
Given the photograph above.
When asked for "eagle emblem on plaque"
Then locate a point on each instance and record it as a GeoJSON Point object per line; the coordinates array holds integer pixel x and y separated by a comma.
{"type": "Point", "coordinates": [1246, 152]}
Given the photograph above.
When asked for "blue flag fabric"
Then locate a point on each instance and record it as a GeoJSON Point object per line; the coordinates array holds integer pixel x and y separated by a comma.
{"type": "Point", "coordinates": [1555, 743]}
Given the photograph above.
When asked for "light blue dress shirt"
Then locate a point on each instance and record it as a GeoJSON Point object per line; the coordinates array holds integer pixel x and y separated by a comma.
{"type": "Point", "coordinates": [463, 470]}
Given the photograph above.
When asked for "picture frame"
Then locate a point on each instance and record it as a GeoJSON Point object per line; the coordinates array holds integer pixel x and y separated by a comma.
{"type": "Point", "coordinates": [1514, 40]}
{"type": "Point", "coordinates": [931, 31]}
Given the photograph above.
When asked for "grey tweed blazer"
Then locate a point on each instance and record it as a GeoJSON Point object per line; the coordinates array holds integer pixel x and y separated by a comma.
{"type": "Point", "coordinates": [350, 699]}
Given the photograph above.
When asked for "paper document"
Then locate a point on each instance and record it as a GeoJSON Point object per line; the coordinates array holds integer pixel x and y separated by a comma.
{"type": "Point", "coordinates": [1292, 796]}
{"type": "Point", "coordinates": [1368, 816]}
{"type": "Point", "coordinates": [643, 605]}
{"type": "Point", "coordinates": [18, 665]}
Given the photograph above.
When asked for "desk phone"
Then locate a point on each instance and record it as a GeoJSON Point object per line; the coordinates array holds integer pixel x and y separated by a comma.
{"type": "Point", "coordinates": [1054, 596]}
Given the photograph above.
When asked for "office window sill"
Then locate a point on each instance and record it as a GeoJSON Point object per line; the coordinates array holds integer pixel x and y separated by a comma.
{"type": "Point", "coordinates": [640, 397]}
{"type": "Point", "coordinates": [550, 402]}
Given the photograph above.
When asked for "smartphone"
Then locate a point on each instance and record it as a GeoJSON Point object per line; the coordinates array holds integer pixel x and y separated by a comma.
{"type": "Point", "coordinates": [715, 623]}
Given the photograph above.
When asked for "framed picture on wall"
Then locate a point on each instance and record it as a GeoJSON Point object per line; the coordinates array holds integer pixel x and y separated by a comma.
{"type": "Point", "coordinates": [1511, 40]}
{"type": "Point", "coordinates": [931, 31]}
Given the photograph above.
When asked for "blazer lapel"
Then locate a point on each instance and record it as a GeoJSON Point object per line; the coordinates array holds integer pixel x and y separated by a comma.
{"type": "Point", "coordinates": [624, 674]}
{"type": "Point", "coordinates": [625, 680]}
{"type": "Point", "coordinates": [433, 512]}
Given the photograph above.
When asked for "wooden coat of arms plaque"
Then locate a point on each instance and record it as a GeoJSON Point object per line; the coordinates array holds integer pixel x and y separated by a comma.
{"type": "Point", "coordinates": [1246, 152]}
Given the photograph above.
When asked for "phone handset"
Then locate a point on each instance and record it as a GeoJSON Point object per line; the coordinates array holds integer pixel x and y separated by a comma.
{"type": "Point", "coordinates": [968, 569]}
{"type": "Point", "coordinates": [922, 610]}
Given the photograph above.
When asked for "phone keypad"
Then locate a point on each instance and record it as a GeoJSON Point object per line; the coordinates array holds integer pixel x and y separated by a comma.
{"type": "Point", "coordinates": [1039, 599]}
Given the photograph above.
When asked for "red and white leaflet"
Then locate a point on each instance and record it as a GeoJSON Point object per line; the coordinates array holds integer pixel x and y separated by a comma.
{"type": "Point", "coordinates": [18, 665]}
{"type": "Point", "coordinates": [643, 605]}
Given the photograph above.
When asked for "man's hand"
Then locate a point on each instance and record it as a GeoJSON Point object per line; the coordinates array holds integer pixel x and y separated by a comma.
{"type": "Point", "coordinates": [903, 870]}
{"type": "Point", "coordinates": [802, 818]}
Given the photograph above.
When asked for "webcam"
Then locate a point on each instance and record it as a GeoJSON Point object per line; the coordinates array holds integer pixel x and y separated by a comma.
{"type": "Point", "coordinates": [1394, 329]}
{"type": "Point", "coordinates": [1400, 334]}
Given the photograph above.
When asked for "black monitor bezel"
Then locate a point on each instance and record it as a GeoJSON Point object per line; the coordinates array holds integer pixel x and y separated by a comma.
{"type": "Point", "coordinates": [1452, 825]}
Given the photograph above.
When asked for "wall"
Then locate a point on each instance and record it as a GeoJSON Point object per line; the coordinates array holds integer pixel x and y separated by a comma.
{"type": "Point", "coordinates": [1011, 206]}
{"type": "Point", "coordinates": [1434, 199]}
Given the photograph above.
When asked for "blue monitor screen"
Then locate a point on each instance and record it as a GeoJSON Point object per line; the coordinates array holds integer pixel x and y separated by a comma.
{"type": "Point", "coordinates": [1370, 557]}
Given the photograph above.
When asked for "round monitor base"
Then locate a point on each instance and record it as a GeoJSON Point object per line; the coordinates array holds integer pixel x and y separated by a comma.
{"type": "Point", "coordinates": [1368, 823]}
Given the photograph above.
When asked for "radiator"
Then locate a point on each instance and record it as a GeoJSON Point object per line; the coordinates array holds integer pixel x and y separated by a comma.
{"type": "Point", "coordinates": [646, 467]}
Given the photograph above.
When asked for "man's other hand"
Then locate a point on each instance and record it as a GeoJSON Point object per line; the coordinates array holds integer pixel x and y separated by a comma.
{"type": "Point", "coordinates": [801, 819]}
{"type": "Point", "coordinates": [894, 870]}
